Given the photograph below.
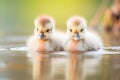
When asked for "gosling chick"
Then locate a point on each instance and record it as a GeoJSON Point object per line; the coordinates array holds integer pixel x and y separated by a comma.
{"type": "Point", "coordinates": [78, 38]}
{"type": "Point", "coordinates": [43, 39]}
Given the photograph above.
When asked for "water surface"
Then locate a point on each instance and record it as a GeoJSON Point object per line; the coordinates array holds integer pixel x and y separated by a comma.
{"type": "Point", "coordinates": [16, 63]}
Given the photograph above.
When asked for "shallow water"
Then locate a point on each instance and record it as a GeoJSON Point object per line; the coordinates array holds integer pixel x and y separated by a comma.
{"type": "Point", "coordinates": [16, 63]}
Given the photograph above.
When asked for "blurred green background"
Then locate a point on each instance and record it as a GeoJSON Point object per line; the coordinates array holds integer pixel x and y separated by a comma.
{"type": "Point", "coordinates": [17, 16]}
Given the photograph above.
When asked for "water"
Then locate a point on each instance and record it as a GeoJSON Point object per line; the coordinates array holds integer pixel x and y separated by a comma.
{"type": "Point", "coordinates": [16, 63]}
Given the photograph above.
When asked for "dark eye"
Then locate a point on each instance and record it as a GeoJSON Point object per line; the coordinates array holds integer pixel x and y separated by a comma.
{"type": "Point", "coordinates": [47, 30]}
{"type": "Point", "coordinates": [70, 30]}
{"type": "Point", "coordinates": [82, 30]}
{"type": "Point", "coordinates": [37, 29]}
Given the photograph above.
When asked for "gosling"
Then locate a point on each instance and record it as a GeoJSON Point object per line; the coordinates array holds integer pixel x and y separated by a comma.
{"type": "Point", "coordinates": [43, 38]}
{"type": "Point", "coordinates": [78, 38]}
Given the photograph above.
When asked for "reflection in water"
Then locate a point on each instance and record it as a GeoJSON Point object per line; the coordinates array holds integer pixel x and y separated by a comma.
{"type": "Point", "coordinates": [76, 66]}
{"type": "Point", "coordinates": [83, 67]}
{"type": "Point", "coordinates": [73, 71]}
{"type": "Point", "coordinates": [42, 66]}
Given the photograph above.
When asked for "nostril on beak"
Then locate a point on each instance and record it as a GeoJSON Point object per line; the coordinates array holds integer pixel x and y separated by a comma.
{"type": "Point", "coordinates": [42, 35]}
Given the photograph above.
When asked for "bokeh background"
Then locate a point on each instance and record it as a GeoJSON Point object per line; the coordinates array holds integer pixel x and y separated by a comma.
{"type": "Point", "coordinates": [17, 24]}
{"type": "Point", "coordinates": [17, 16]}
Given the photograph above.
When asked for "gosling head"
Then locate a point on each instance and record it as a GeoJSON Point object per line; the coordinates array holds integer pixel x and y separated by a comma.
{"type": "Point", "coordinates": [76, 28]}
{"type": "Point", "coordinates": [44, 26]}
